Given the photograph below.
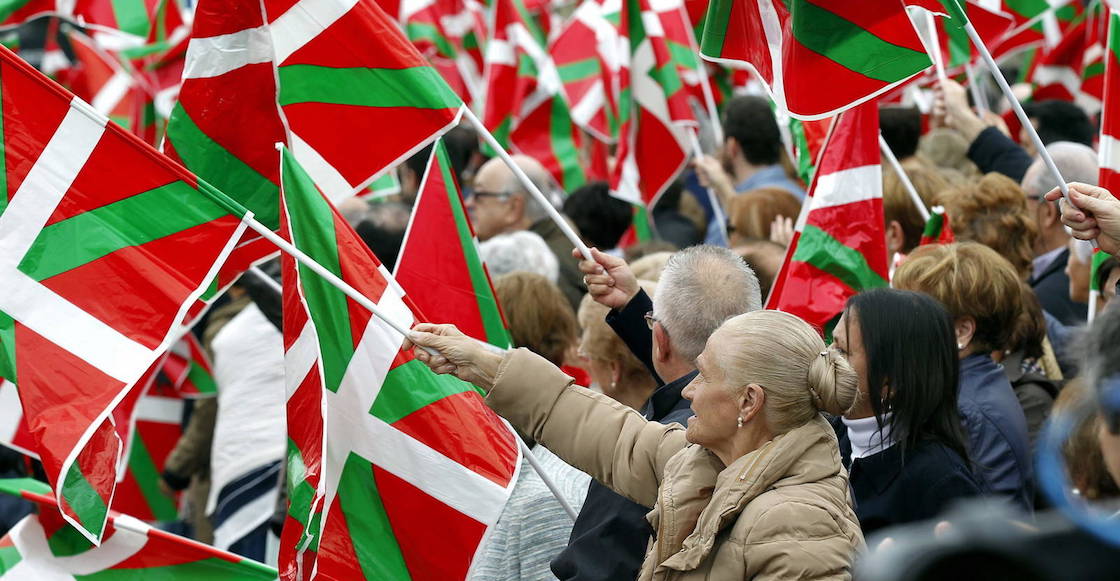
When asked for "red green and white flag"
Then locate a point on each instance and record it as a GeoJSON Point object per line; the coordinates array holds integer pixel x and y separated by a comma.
{"type": "Point", "coordinates": [651, 151]}
{"type": "Point", "coordinates": [1038, 24]}
{"type": "Point", "coordinates": [189, 369]}
{"type": "Point", "coordinates": [938, 230]}
{"type": "Point", "coordinates": [43, 547]}
{"type": "Point", "coordinates": [1099, 258]}
{"type": "Point", "coordinates": [15, 12]}
{"type": "Point", "coordinates": [524, 105]}
{"type": "Point", "coordinates": [136, 25]}
{"type": "Point", "coordinates": [319, 75]}
{"type": "Point", "coordinates": [816, 57]}
{"type": "Point", "coordinates": [839, 246]}
{"type": "Point", "coordinates": [104, 82]}
{"type": "Point", "coordinates": [956, 48]}
{"type": "Point", "coordinates": [437, 28]}
{"type": "Point", "coordinates": [588, 58]}
{"type": "Point", "coordinates": [394, 472]}
{"type": "Point", "coordinates": [439, 267]}
{"type": "Point", "coordinates": [100, 266]}
{"type": "Point", "coordinates": [1072, 70]}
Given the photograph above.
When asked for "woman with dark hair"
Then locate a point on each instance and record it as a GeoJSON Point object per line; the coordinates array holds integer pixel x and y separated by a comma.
{"type": "Point", "coordinates": [903, 443]}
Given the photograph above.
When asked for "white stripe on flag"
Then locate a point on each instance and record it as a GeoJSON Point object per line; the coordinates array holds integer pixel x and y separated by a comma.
{"type": "Point", "coordinates": [303, 22]}
{"type": "Point", "coordinates": [41, 564]}
{"type": "Point", "coordinates": [11, 411]}
{"type": "Point", "coordinates": [165, 410]}
{"type": "Point", "coordinates": [772, 27]}
{"type": "Point", "coordinates": [25, 299]}
{"type": "Point", "coordinates": [112, 92]}
{"type": "Point", "coordinates": [300, 358]}
{"type": "Point", "coordinates": [333, 184]}
{"type": "Point", "coordinates": [1110, 153]}
{"type": "Point", "coordinates": [847, 186]}
{"type": "Point", "coordinates": [214, 56]}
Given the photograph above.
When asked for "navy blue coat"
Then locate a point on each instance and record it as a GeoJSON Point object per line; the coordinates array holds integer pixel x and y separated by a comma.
{"type": "Point", "coordinates": [994, 151]}
{"type": "Point", "coordinates": [610, 535]}
{"type": "Point", "coordinates": [889, 492]}
{"type": "Point", "coordinates": [997, 431]}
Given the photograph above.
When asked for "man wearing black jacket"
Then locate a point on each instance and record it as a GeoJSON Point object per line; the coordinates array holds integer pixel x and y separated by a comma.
{"type": "Point", "coordinates": [701, 287]}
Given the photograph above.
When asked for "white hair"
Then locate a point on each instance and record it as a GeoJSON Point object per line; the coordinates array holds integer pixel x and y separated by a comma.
{"type": "Point", "coordinates": [522, 250]}
{"type": "Point", "coordinates": [1076, 163]}
{"type": "Point", "coordinates": [700, 288]}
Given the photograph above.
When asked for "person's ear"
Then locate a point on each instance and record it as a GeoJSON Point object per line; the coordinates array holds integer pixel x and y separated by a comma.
{"type": "Point", "coordinates": [1050, 214]}
{"type": "Point", "coordinates": [896, 238]}
{"type": "Point", "coordinates": [516, 204]}
{"type": "Point", "coordinates": [751, 402]}
{"type": "Point", "coordinates": [662, 350]}
{"type": "Point", "coordinates": [965, 328]}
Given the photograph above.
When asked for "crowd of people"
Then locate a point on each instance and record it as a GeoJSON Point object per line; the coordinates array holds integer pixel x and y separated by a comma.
{"type": "Point", "coordinates": [725, 441]}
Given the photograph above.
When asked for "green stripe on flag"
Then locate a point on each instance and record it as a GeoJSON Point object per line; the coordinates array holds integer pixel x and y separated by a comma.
{"type": "Point", "coordinates": [9, 7]}
{"type": "Point", "coordinates": [84, 500]}
{"type": "Point", "coordinates": [1099, 258]}
{"type": "Point", "coordinates": [9, 557]}
{"type": "Point", "coordinates": [715, 28]}
{"type": "Point", "coordinates": [67, 542]}
{"type": "Point", "coordinates": [204, 156]}
{"type": "Point", "coordinates": [563, 146]}
{"type": "Point", "coordinates": [410, 387]}
{"type": "Point", "coordinates": [683, 55]}
{"type": "Point", "coordinates": [301, 494]}
{"type": "Point", "coordinates": [166, 210]}
{"type": "Point", "coordinates": [418, 87]}
{"type": "Point", "coordinates": [375, 543]}
{"type": "Point", "coordinates": [201, 379]}
{"type": "Point", "coordinates": [312, 225]}
{"type": "Point", "coordinates": [8, 348]}
{"type": "Point", "coordinates": [417, 31]}
{"type": "Point", "coordinates": [817, 248]}
{"type": "Point", "coordinates": [852, 46]}
{"type": "Point", "coordinates": [147, 478]}
{"type": "Point", "coordinates": [1094, 69]}
{"type": "Point", "coordinates": [579, 70]}
{"type": "Point", "coordinates": [492, 324]}
{"type": "Point", "coordinates": [132, 16]}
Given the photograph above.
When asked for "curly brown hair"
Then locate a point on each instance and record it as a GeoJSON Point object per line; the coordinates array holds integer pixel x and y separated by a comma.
{"type": "Point", "coordinates": [539, 317]}
{"type": "Point", "coordinates": [993, 211]}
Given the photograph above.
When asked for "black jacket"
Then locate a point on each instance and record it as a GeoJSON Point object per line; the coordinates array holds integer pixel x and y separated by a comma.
{"type": "Point", "coordinates": [610, 535]}
{"type": "Point", "coordinates": [994, 151]}
{"type": "Point", "coordinates": [888, 492]}
{"type": "Point", "coordinates": [1051, 287]}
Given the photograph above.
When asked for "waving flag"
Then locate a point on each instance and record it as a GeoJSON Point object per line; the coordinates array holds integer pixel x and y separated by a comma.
{"type": "Point", "coordinates": [990, 23]}
{"type": "Point", "coordinates": [42, 547]}
{"type": "Point", "coordinates": [439, 266]}
{"type": "Point", "coordinates": [314, 74]}
{"type": "Point", "coordinates": [816, 57]}
{"type": "Point", "coordinates": [588, 59]}
{"type": "Point", "coordinates": [99, 266]}
{"type": "Point", "coordinates": [399, 448]}
{"type": "Point", "coordinates": [525, 106]}
{"type": "Point", "coordinates": [839, 245]}
{"type": "Point", "coordinates": [1110, 114]}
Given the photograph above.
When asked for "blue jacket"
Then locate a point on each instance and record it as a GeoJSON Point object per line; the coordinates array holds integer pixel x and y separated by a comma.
{"type": "Point", "coordinates": [997, 431]}
{"type": "Point", "coordinates": [610, 534]}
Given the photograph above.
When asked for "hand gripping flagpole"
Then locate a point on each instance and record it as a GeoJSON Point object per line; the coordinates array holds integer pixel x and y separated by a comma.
{"type": "Point", "coordinates": [905, 179]}
{"type": "Point", "coordinates": [532, 188]}
{"type": "Point", "coordinates": [959, 16]}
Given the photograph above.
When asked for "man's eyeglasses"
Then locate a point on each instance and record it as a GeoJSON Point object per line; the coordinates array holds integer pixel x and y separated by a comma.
{"type": "Point", "coordinates": [650, 320]}
{"type": "Point", "coordinates": [484, 194]}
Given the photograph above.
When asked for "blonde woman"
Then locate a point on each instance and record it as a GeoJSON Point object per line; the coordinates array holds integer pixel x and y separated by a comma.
{"type": "Point", "coordinates": [752, 489]}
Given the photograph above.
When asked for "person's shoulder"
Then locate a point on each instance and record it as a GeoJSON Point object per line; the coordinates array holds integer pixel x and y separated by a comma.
{"type": "Point", "coordinates": [777, 515]}
{"type": "Point", "coordinates": [931, 460]}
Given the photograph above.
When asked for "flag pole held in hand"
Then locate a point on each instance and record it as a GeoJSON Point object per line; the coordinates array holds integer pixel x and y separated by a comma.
{"type": "Point", "coordinates": [532, 188]}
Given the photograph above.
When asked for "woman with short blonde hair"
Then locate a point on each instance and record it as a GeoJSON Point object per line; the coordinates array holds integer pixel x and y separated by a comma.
{"type": "Point", "coordinates": [616, 371]}
{"type": "Point", "coordinates": [759, 493]}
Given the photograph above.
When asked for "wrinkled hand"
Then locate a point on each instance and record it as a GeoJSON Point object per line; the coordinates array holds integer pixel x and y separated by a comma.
{"type": "Point", "coordinates": [1094, 215]}
{"type": "Point", "coordinates": [456, 354]}
{"type": "Point", "coordinates": [781, 230]}
{"type": "Point", "coordinates": [609, 279]}
{"type": "Point", "coordinates": [950, 108]}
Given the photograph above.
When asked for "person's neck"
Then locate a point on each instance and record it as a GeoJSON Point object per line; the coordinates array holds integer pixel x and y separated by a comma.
{"type": "Point", "coordinates": [673, 369]}
{"type": "Point", "coordinates": [745, 169]}
{"type": "Point", "coordinates": [1051, 240]}
{"type": "Point", "coordinates": [747, 439]}
{"type": "Point", "coordinates": [522, 224]}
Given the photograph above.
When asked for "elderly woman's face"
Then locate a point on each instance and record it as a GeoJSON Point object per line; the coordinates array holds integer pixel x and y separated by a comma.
{"type": "Point", "coordinates": [598, 368]}
{"type": "Point", "coordinates": [715, 402]}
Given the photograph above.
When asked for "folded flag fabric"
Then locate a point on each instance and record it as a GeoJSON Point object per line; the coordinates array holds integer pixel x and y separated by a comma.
{"type": "Point", "coordinates": [43, 547]}
{"type": "Point", "coordinates": [816, 57]}
{"type": "Point", "coordinates": [99, 268]}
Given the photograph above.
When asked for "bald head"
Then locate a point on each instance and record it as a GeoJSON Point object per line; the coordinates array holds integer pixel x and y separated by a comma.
{"type": "Point", "coordinates": [500, 203]}
{"type": "Point", "coordinates": [1076, 163]}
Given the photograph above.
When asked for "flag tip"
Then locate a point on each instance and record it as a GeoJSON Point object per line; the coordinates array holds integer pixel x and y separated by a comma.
{"type": "Point", "coordinates": [279, 145]}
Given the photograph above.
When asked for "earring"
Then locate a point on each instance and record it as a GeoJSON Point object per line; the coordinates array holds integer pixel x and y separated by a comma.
{"type": "Point", "coordinates": [740, 422]}
{"type": "Point", "coordinates": [614, 384]}
{"type": "Point", "coordinates": [960, 346]}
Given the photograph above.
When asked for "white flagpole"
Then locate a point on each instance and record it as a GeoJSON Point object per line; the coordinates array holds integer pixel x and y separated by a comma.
{"type": "Point", "coordinates": [905, 179]}
{"type": "Point", "coordinates": [528, 184]}
{"type": "Point", "coordinates": [977, 91]}
{"type": "Point", "coordinates": [935, 46]}
{"type": "Point", "coordinates": [555, 490]}
{"type": "Point", "coordinates": [717, 207]}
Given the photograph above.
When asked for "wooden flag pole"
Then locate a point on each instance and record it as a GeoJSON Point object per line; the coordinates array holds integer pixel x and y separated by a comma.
{"type": "Point", "coordinates": [528, 184]}
{"type": "Point", "coordinates": [959, 15]}
{"type": "Point", "coordinates": [905, 179]}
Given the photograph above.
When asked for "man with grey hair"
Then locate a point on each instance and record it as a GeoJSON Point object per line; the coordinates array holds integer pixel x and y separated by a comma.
{"type": "Point", "coordinates": [700, 288]}
{"type": "Point", "coordinates": [1077, 163]}
{"type": "Point", "coordinates": [499, 204]}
